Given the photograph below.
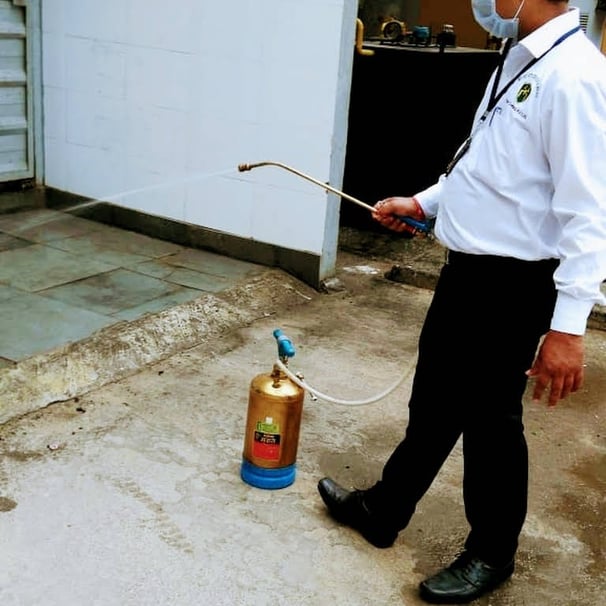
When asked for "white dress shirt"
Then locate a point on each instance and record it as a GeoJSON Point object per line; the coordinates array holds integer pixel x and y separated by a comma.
{"type": "Point", "coordinates": [533, 183]}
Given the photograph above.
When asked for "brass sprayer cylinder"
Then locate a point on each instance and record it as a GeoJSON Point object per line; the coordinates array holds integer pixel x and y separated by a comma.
{"type": "Point", "coordinates": [271, 439]}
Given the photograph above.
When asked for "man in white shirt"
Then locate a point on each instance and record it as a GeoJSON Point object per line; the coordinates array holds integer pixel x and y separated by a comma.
{"type": "Point", "coordinates": [522, 212]}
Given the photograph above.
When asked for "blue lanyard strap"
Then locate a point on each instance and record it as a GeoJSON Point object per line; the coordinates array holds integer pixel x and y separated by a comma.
{"type": "Point", "coordinates": [494, 97]}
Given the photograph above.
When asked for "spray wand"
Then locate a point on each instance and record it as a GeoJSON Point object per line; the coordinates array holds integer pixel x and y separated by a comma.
{"type": "Point", "coordinates": [415, 227]}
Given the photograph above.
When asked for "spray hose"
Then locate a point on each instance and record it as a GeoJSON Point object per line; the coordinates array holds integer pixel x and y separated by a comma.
{"type": "Point", "coordinates": [322, 396]}
{"type": "Point", "coordinates": [286, 350]}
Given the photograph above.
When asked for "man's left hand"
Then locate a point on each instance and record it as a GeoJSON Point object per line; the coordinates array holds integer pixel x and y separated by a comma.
{"type": "Point", "coordinates": [558, 366]}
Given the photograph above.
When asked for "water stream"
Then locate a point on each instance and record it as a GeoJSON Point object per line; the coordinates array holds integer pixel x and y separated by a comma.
{"type": "Point", "coordinates": [119, 197]}
{"type": "Point", "coordinates": [146, 188]}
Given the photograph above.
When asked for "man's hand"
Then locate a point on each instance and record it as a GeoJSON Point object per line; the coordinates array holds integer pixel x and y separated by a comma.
{"type": "Point", "coordinates": [386, 213]}
{"type": "Point", "coordinates": [559, 362]}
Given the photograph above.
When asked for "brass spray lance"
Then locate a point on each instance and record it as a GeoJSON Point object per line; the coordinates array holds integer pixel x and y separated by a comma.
{"type": "Point", "coordinates": [417, 226]}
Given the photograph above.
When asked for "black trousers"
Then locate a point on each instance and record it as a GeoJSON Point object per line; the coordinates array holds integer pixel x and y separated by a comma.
{"type": "Point", "coordinates": [479, 337]}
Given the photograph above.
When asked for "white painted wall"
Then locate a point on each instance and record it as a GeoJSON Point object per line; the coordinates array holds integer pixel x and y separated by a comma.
{"type": "Point", "coordinates": [165, 95]}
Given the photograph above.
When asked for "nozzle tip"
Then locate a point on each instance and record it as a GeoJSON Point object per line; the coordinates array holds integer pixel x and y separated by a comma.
{"type": "Point", "coordinates": [243, 167]}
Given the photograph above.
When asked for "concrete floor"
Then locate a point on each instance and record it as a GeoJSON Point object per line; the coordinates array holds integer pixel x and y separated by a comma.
{"type": "Point", "coordinates": [127, 492]}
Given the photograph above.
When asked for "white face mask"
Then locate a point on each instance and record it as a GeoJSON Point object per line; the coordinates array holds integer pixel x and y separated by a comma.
{"type": "Point", "coordinates": [485, 13]}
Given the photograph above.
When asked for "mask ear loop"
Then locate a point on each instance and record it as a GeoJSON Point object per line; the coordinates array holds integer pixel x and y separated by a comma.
{"type": "Point", "coordinates": [517, 15]}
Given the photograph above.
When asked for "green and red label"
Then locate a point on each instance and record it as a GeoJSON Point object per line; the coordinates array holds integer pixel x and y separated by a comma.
{"type": "Point", "coordinates": [266, 443]}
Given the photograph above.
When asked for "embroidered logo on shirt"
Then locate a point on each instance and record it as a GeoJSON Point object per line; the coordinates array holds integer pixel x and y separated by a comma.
{"type": "Point", "coordinates": [524, 92]}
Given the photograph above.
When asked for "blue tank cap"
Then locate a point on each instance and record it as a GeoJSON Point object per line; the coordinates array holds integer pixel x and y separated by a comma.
{"type": "Point", "coordinates": [285, 347]}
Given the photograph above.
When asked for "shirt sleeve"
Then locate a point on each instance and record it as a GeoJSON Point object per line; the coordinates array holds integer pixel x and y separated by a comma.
{"type": "Point", "coordinates": [429, 199]}
{"type": "Point", "coordinates": [575, 140]}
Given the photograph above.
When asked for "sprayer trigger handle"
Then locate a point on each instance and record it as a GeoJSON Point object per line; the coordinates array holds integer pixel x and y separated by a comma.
{"type": "Point", "coordinates": [423, 226]}
{"type": "Point", "coordinates": [285, 346]}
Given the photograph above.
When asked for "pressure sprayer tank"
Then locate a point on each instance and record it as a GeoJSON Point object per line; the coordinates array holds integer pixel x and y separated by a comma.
{"type": "Point", "coordinates": [275, 405]}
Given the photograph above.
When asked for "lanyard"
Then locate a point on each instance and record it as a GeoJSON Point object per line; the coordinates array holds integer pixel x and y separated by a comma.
{"type": "Point", "coordinates": [495, 98]}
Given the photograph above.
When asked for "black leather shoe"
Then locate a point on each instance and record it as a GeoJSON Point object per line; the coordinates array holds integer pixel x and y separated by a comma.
{"type": "Point", "coordinates": [348, 507]}
{"type": "Point", "coordinates": [466, 579]}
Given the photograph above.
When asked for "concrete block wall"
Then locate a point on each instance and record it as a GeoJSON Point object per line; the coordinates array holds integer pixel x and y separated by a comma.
{"type": "Point", "coordinates": [163, 100]}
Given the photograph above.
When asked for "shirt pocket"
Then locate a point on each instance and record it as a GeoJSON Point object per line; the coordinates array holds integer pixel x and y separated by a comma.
{"type": "Point", "coordinates": [504, 148]}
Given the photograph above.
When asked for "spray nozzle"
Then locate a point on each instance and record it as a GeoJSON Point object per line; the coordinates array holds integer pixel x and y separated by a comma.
{"type": "Point", "coordinates": [285, 347]}
{"type": "Point", "coordinates": [415, 227]}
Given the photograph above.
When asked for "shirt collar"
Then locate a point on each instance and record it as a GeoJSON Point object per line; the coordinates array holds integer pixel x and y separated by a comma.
{"type": "Point", "coordinates": [543, 38]}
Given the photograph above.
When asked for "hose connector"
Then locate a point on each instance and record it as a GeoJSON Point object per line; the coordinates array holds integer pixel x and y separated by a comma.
{"type": "Point", "coordinates": [285, 347]}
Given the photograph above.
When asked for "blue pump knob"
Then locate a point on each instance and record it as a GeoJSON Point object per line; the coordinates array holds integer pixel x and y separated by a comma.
{"type": "Point", "coordinates": [285, 347]}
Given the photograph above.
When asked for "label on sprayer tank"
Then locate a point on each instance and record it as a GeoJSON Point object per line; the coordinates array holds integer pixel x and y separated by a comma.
{"type": "Point", "coordinates": [266, 442]}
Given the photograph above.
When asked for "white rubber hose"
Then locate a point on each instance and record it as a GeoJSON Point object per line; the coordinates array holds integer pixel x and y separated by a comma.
{"type": "Point", "coordinates": [318, 394]}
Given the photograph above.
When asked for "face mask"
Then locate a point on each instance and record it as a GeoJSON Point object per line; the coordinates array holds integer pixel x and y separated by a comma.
{"type": "Point", "coordinates": [485, 13]}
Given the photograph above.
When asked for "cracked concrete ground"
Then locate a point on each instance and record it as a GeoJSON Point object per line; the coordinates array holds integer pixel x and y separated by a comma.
{"type": "Point", "coordinates": [130, 494]}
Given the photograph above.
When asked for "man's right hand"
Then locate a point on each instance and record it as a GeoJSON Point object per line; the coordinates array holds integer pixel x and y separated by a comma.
{"type": "Point", "coordinates": [386, 212]}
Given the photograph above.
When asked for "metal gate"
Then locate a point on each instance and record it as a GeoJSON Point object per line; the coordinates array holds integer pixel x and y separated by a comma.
{"type": "Point", "coordinates": [16, 123]}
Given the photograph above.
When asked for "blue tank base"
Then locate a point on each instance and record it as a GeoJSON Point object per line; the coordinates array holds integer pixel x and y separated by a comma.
{"type": "Point", "coordinates": [270, 479]}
